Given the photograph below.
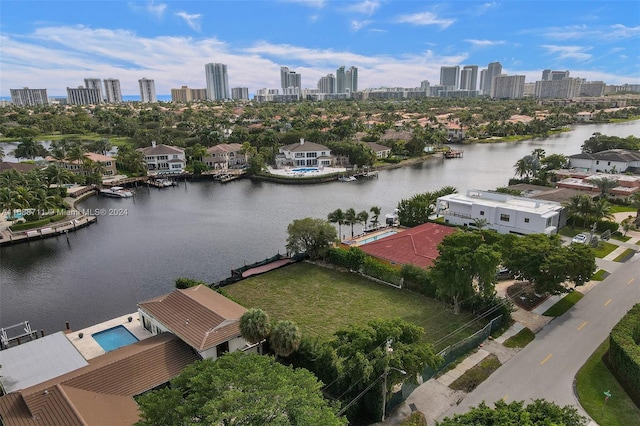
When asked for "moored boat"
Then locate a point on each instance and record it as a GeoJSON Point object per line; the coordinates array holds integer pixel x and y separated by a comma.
{"type": "Point", "coordinates": [116, 192]}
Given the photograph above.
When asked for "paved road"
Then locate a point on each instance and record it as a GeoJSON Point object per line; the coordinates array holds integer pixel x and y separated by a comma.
{"type": "Point", "coordinates": [546, 367]}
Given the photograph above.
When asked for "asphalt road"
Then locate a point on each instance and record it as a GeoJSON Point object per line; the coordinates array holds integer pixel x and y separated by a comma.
{"type": "Point", "coordinates": [546, 367]}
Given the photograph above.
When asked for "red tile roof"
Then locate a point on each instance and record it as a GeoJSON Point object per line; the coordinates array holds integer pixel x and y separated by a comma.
{"type": "Point", "coordinates": [416, 246]}
{"type": "Point", "coordinates": [201, 317]}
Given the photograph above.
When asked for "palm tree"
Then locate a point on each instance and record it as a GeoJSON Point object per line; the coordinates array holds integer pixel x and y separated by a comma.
{"type": "Point", "coordinates": [601, 209]}
{"type": "Point", "coordinates": [376, 215]}
{"type": "Point", "coordinates": [480, 222]}
{"type": "Point", "coordinates": [76, 154]}
{"type": "Point", "coordinates": [337, 216]}
{"type": "Point", "coordinates": [363, 217]}
{"type": "Point", "coordinates": [350, 218]}
{"type": "Point", "coordinates": [29, 148]}
{"type": "Point", "coordinates": [604, 184]}
{"type": "Point", "coordinates": [255, 326]}
{"type": "Point", "coordinates": [285, 338]}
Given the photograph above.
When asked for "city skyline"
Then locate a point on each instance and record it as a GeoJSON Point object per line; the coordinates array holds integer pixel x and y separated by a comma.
{"type": "Point", "coordinates": [403, 43]}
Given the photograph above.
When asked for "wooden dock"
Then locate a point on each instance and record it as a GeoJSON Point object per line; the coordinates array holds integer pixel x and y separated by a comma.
{"type": "Point", "coordinates": [225, 175]}
{"type": "Point", "coordinates": [454, 153]}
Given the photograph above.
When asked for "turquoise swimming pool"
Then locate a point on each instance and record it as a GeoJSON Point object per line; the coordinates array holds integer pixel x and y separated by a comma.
{"type": "Point", "coordinates": [114, 338]}
{"type": "Point", "coordinates": [377, 237]}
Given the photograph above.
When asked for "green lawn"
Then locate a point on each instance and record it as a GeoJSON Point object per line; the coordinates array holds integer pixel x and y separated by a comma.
{"type": "Point", "coordinates": [322, 300]}
{"type": "Point", "coordinates": [625, 255]}
{"type": "Point", "coordinates": [476, 374]}
{"type": "Point", "coordinates": [617, 208]}
{"type": "Point", "coordinates": [564, 304]}
{"type": "Point", "coordinates": [604, 248]}
{"type": "Point", "coordinates": [593, 379]}
{"type": "Point", "coordinates": [600, 275]}
{"type": "Point", "coordinates": [115, 140]}
{"type": "Point", "coordinates": [521, 339]}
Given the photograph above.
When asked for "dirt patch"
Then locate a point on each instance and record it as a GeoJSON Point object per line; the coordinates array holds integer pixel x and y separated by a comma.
{"type": "Point", "coordinates": [523, 294]}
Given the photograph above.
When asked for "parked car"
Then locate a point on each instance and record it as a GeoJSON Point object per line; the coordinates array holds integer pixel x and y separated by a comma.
{"type": "Point", "coordinates": [503, 273]}
{"type": "Point", "coordinates": [581, 239]}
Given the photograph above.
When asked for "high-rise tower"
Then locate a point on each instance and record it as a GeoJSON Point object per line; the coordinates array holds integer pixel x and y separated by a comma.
{"type": "Point", "coordinates": [112, 90]}
{"type": "Point", "coordinates": [494, 69]}
{"type": "Point", "coordinates": [450, 77]}
{"type": "Point", "coordinates": [147, 90]}
{"type": "Point", "coordinates": [217, 81]}
{"type": "Point", "coordinates": [290, 78]}
{"type": "Point", "coordinates": [94, 83]}
{"type": "Point", "coordinates": [469, 77]}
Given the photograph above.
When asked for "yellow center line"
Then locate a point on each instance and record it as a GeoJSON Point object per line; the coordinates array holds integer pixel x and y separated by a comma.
{"type": "Point", "coordinates": [546, 359]}
{"type": "Point", "coordinates": [607, 302]}
{"type": "Point", "coordinates": [582, 325]}
{"type": "Point", "coordinates": [630, 281]}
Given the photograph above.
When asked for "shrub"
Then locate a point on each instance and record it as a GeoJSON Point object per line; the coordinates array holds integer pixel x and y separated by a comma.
{"type": "Point", "coordinates": [183, 283]}
{"type": "Point", "coordinates": [381, 271]}
{"type": "Point", "coordinates": [604, 225]}
{"type": "Point", "coordinates": [624, 353]}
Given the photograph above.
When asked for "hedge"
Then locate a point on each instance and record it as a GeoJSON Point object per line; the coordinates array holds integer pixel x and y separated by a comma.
{"type": "Point", "coordinates": [418, 279]}
{"type": "Point", "coordinates": [624, 353]}
{"type": "Point", "coordinates": [38, 223]}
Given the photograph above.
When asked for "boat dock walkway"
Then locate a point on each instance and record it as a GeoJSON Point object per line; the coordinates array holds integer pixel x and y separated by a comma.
{"type": "Point", "coordinates": [7, 236]}
{"type": "Point", "coordinates": [454, 153]}
{"type": "Point", "coordinates": [225, 175]}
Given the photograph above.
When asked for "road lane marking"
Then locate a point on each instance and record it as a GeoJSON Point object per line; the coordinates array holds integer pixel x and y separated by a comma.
{"type": "Point", "coordinates": [630, 281]}
{"type": "Point", "coordinates": [582, 325]}
{"type": "Point", "coordinates": [607, 302]}
{"type": "Point", "coordinates": [546, 359]}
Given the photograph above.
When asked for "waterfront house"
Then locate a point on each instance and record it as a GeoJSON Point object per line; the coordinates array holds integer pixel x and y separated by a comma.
{"type": "Point", "coordinates": [108, 164]}
{"type": "Point", "coordinates": [380, 150]}
{"type": "Point", "coordinates": [608, 161]}
{"type": "Point", "coordinates": [304, 154]}
{"type": "Point", "coordinates": [203, 318]}
{"type": "Point", "coordinates": [224, 156]}
{"type": "Point", "coordinates": [164, 159]}
{"type": "Point", "coordinates": [416, 246]}
{"type": "Point", "coordinates": [18, 167]}
{"type": "Point", "coordinates": [503, 213]}
{"type": "Point", "coordinates": [101, 392]}
{"type": "Point", "coordinates": [622, 185]}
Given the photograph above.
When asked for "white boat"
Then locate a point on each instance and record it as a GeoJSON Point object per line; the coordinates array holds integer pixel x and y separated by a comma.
{"type": "Point", "coordinates": [347, 179]}
{"type": "Point", "coordinates": [166, 182]}
{"type": "Point", "coordinates": [116, 192]}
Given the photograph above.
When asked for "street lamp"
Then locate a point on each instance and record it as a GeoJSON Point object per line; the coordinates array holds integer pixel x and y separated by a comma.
{"type": "Point", "coordinates": [384, 386]}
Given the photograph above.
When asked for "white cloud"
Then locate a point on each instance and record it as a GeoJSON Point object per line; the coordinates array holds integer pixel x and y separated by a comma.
{"type": "Point", "coordinates": [358, 25]}
{"type": "Point", "coordinates": [318, 4]}
{"type": "Point", "coordinates": [484, 43]}
{"type": "Point", "coordinates": [622, 31]}
{"type": "Point", "coordinates": [576, 53]}
{"type": "Point", "coordinates": [156, 9]}
{"type": "Point", "coordinates": [193, 20]}
{"type": "Point", "coordinates": [424, 18]}
{"type": "Point", "coordinates": [484, 8]}
{"type": "Point", "coordinates": [367, 7]}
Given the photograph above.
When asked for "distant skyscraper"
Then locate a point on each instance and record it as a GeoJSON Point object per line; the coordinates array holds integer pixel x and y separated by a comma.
{"type": "Point", "coordinates": [341, 80]}
{"type": "Point", "coordinates": [507, 87]}
{"type": "Point", "coordinates": [147, 90]}
{"type": "Point", "coordinates": [94, 83]}
{"type": "Point", "coordinates": [29, 97]}
{"type": "Point", "coordinates": [290, 78]}
{"type": "Point", "coordinates": [566, 88]}
{"type": "Point", "coordinates": [327, 84]}
{"type": "Point", "coordinates": [450, 77]}
{"type": "Point", "coordinates": [351, 80]}
{"type": "Point", "coordinates": [494, 69]}
{"type": "Point", "coordinates": [241, 93]}
{"type": "Point", "coordinates": [112, 90]}
{"type": "Point", "coordinates": [217, 81]}
{"type": "Point", "coordinates": [469, 77]}
{"type": "Point", "coordinates": [548, 75]}
{"type": "Point", "coordinates": [84, 96]}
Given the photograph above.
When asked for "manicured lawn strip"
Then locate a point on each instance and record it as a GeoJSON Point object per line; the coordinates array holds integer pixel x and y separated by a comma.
{"type": "Point", "coordinates": [600, 275]}
{"type": "Point", "coordinates": [604, 248]}
{"type": "Point", "coordinates": [476, 374]}
{"type": "Point", "coordinates": [564, 304]}
{"type": "Point", "coordinates": [617, 208]}
{"type": "Point", "coordinates": [593, 379]}
{"type": "Point", "coordinates": [620, 238]}
{"type": "Point", "coordinates": [521, 339]}
{"type": "Point", "coordinates": [322, 300]}
{"type": "Point", "coordinates": [37, 223]}
{"type": "Point", "coordinates": [625, 255]}
{"type": "Point", "coordinates": [570, 232]}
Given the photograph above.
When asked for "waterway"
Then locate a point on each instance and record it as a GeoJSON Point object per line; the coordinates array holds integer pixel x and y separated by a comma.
{"type": "Point", "coordinates": [204, 229]}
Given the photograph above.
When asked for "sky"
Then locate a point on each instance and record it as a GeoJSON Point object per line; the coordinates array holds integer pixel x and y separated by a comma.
{"type": "Point", "coordinates": [57, 44]}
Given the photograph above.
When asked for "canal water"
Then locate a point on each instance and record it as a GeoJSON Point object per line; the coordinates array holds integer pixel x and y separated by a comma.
{"type": "Point", "coordinates": [202, 230]}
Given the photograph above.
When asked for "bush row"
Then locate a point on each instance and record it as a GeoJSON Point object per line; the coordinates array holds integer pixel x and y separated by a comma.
{"type": "Point", "coordinates": [37, 223]}
{"type": "Point", "coordinates": [624, 353]}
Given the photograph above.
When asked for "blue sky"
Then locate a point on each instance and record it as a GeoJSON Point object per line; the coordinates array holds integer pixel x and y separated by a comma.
{"type": "Point", "coordinates": [54, 44]}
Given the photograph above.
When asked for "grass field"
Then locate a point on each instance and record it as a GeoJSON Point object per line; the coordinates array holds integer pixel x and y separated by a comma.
{"type": "Point", "coordinates": [593, 379]}
{"type": "Point", "coordinates": [321, 301]}
{"type": "Point", "coordinates": [563, 304]}
{"type": "Point", "coordinates": [521, 339]}
{"type": "Point", "coordinates": [603, 249]}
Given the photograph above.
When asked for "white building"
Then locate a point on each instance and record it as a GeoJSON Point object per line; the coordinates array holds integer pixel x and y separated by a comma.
{"type": "Point", "coordinates": [163, 159]}
{"type": "Point", "coordinates": [224, 156]}
{"type": "Point", "coordinates": [84, 96]}
{"type": "Point", "coordinates": [147, 90]}
{"type": "Point", "coordinates": [217, 81]}
{"type": "Point", "coordinates": [94, 83]}
{"type": "Point", "coordinates": [609, 161]}
{"type": "Point", "coordinates": [507, 87]}
{"type": "Point", "coordinates": [506, 214]}
{"type": "Point", "coordinates": [486, 77]}
{"type": "Point", "coordinates": [304, 154]}
{"type": "Point", "coordinates": [240, 93]}
{"type": "Point", "coordinates": [112, 91]}
{"type": "Point", "coordinates": [290, 78]}
{"type": "Point", "coordinates": [469, 77]}
{"type": "Point", "coordinates": [29, 97]}
{"type": "Point", "coordinates": [450, 77]}
{"type": "Point", "coordinates": [566, 88]}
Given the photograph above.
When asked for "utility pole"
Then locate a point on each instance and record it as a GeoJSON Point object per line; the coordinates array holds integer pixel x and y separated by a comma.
{"type": "Point", "coordinates": [388, 350]}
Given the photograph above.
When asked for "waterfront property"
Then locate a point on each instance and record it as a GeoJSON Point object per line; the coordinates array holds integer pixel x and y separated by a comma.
{"type": "Point", "coordinates": [162, 158]}
{"type": "Point", "coordinates": [224, 156]}
{"type": "Point", "coordinates": [304, 154]}
{"type": "Point", "coordinates": [622, 185]}
{"type": "Point", "coordinates": [206, 320]}
{"type": "Point", "coordinates": [416, 246]}
{"type": "Point", "coordinates": [503, 213]}
{"type": "Point", "coordinates": [108, 164]}
{"type": "Point", "coordinates": [608, 161]}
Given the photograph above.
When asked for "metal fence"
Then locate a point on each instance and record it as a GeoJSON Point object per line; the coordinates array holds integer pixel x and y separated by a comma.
{"type": "Point", "coordinates": [449, 355]}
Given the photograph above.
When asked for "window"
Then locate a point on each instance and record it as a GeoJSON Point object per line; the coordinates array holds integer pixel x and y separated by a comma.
{"type": "Point", "coordinates": [481, 212]}
{"type": "Point", "coordinates": [222, 349]}
{"type": "Point", "coordinates": [526, 220]}
{"type": "Point", "coordinates": [175, 156]}
{"type": "Point", "coordinates": [146, 323]}
{"type": "Point", "coordinates": [504, 217]}
{"type": "Point", "coordinates": [597, 161]}
{"type": "Point", "coordinates": [608, 163]}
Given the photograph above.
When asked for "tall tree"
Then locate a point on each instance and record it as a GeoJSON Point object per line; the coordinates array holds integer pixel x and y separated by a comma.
{"type": "Point", "coordinates": [311, 236]}
{"type": "Point", "coordinates": [255, 325]}
{"type": "Point", "coordinates": [285, 338]}
{"type": "Point", "coordinates": [239, 389]}
{"type": "Point", "coordinates": [350, 218]}
{"type": "Point", "coordinates": [337, 216]}
{"type": "Point", "coordinates": [363, 217]}
{"type": "Point", "coordinates": [29, 148]}
{"type": "Point", "coordinates": [375, 210]}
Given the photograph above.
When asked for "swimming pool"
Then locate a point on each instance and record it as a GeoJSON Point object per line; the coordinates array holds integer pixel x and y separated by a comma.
{"type": "Point", "coordinates": [305, 169]}
{"type": "Point", "coordinates": [114, 338]}
{"type": "Point", "coordinates": [377, 237]}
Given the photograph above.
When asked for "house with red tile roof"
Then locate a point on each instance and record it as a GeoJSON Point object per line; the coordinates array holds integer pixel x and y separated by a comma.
{"type": "Point", "coordinates": [416, 246]}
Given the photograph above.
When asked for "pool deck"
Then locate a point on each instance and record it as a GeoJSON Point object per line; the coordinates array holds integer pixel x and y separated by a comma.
{"type": "Point", "coordinates": [288, 171]}
{"type": "Point", "coordinates": [360, 239]}
{"type": "Point", "coordinates": [89, 348]}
